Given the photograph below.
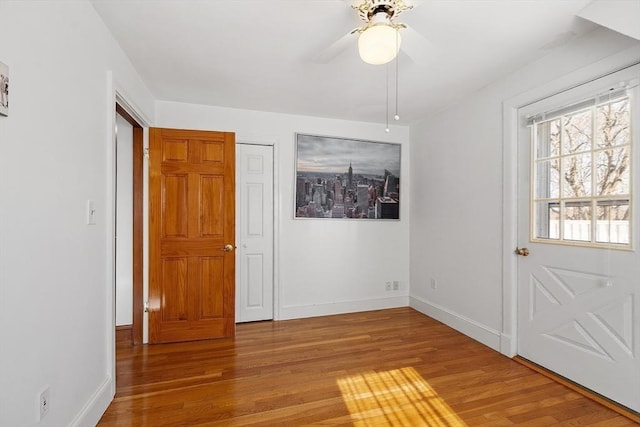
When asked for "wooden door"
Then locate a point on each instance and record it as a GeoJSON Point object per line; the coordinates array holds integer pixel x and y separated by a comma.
{"type": "Point", "coordinates": [579, 282]}
{"type": "Point", "coordinates": [191, 235]}
{"type": "Point", "coordinates": [254, 283]}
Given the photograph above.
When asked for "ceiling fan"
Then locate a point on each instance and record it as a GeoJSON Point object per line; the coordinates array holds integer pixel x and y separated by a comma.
{"type": "Point", "coordinates": [382, 32]}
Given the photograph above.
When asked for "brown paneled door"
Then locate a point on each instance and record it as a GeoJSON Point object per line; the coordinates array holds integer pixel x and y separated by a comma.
{"type": "Point", "coordinates": [191, 235]}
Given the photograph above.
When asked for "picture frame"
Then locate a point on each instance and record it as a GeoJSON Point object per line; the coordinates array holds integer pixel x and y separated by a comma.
{"type": "Point", "coordinates": [4, 89]}
{"type": "Point", "coordinates": [346, 178]}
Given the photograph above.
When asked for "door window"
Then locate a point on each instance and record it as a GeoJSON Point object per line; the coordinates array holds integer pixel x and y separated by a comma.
{"type": "Point", "coordinates": [581, 173]}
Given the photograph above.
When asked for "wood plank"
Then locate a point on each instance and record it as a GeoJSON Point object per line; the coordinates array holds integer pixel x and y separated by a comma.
{"type": "Point", "coordinates": [389, 367]}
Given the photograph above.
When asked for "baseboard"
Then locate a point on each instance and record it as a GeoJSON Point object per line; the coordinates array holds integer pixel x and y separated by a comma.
{"type": "Point", "coordinates": [96, 405]}
{"type": "Point", "coordinates": [302, 311]}
{"type": "Point", "coordinates": [479, 332]}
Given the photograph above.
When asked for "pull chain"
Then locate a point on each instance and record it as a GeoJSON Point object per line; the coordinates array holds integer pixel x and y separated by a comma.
{"type": "Point", "coordinates": [396, 117]}
{"type": "Point", "coordinates": [386, 67]}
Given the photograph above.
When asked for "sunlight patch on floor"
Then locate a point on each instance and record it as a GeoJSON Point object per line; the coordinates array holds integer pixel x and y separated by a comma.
{"type": "Point", "coordinates": [400, 397]}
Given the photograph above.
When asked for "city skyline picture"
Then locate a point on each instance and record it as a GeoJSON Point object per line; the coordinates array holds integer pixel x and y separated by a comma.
{"type": "Point", "coordinates": [346, 178]}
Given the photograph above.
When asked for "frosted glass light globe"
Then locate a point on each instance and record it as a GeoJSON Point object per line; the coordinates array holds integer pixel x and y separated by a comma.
{"type": "Point", "coordinates": [379, 44]}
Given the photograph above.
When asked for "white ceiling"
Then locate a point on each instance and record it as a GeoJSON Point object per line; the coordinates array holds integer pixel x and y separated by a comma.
{"type": "Point", "coordinates": [266, 54]}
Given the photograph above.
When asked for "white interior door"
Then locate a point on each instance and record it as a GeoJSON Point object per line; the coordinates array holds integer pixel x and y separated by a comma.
{"type": "Point", "coordinates": [254, 231]}
{"type": "Point", "coordinates": [579, 217]}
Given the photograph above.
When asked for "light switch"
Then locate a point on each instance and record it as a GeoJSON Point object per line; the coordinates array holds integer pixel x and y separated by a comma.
{"type": "Point", "coordinates": [91, 213]}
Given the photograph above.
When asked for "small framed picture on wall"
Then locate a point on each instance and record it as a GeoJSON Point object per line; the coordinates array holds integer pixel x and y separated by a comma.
{"type": "Point", "coordinates": [4, 89]}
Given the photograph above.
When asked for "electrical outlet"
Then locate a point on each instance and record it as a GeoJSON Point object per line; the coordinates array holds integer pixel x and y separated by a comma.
{"type": "Point", "coordinates": [434, 283]}
{"type": "Point", "coordinates": [387, 286]}
{"type": "Point", "coordinates": [396, 285]}
{"type": "Point", "coordinates": [44, 402]}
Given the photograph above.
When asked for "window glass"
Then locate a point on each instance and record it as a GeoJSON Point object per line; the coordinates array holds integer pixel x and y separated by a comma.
{"type": "Point", "coordinates": [577, 133]}
{"type": "Point", "coordinates": [613, 222]}
{"type": "Point", "coordinates": [581, 175]}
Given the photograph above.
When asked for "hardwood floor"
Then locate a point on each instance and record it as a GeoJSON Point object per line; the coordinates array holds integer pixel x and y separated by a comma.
{"type": "Point", "coordinates": [390, 367]}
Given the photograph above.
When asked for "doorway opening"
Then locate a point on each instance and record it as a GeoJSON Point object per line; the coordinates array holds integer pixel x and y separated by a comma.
{"type": "Point", "coordinates": [129, 229]}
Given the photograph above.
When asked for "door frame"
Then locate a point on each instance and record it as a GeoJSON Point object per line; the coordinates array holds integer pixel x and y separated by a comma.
{"type": "Point", "coordinates": [277, 208]}
{"type": "Point", "coordinates": [137, 218]}
{"type": "Point", "coordinates": [115, 94]}
{"type": "Point", "coordinates": [510, 107]}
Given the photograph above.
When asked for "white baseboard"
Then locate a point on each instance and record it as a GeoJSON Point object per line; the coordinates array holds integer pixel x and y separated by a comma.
{"type": "Point", "coordinates": [96, 405]}
{"type": "Point", "coordinates": [479, 332]}
{"type": "Point", "coordinates": [302, 311]}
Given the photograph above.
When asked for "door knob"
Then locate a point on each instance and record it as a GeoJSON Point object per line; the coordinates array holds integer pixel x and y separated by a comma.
{"type": "Point", "coordinates": [522, 251]}
{"type": "Point", "coordinates": [228, 248]}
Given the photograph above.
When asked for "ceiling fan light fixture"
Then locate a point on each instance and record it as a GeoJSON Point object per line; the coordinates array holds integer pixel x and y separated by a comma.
{"type": "Point", "coordinates": [380, 42]}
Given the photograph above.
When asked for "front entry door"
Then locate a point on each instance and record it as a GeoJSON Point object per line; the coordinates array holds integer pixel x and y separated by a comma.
{"type": "Point", "coordinates": [191, 235]}
{"type": "Point", "coordinates": [254, 281]}
{"type": "Point", "coordinates": [578, 216]}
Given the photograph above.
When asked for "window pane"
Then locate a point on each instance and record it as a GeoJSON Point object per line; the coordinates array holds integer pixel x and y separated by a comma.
{"type": "Point", "coordinates": [612, 225]}
{"type": "Point", "coordinates": [577, 221]}
{"type": "Point", "coordinates": [548, 143]}
{"type": "Point", "coordinates": [548, 179]}
{"type": "Point", "coordinates": [576, 171]}
{"type": "Point", "coordinates": [577, 133]}
{"type": "Point", "coordinates": [613, 124]}
{"type": "Point", "coordinates": [547, 222]}
{"type": "Point", "coordinates": [612, 169]}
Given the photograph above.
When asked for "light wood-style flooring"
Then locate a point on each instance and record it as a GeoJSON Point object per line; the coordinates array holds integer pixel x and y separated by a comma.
{"type": "Point", "coordinates": [380, 368]}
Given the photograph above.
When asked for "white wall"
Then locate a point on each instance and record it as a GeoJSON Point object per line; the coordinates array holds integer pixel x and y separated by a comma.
{"type": "Point", "coordinates": [456, 197]}
{"type": "Point", "coordinates": [56, 151]}
{"type": "Point", "coordinates": [124, 222]}
{"type": "Point", "coordinates": [322, 266]}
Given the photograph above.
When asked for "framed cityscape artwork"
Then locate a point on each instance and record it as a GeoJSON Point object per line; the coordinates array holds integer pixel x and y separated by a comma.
{"type": "Point", "coordinates": [4, 90]}
{"type": "Point", "coordinates": [341, 178]}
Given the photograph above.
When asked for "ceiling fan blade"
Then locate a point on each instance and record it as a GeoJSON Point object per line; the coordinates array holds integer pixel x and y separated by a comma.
{"type": "Point", "coordinates": [336, 48]}
{"type": "Point", "coordinates": [417, 47]}
{"type": "Point", "coordinates": [414, 3]}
